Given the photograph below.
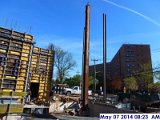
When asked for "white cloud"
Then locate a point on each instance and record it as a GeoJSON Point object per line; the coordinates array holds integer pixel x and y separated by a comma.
{"type": "Point", "coordinates": [135, 12]}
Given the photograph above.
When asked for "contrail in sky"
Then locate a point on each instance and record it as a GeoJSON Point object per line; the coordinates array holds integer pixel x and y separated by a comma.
{"type": "Point", "coordinates": [133, 11]}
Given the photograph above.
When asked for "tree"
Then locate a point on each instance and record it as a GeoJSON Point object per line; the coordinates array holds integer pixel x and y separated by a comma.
{"type": "Point", "coordinates": [144, 77]}
{"type": "Point", "coordinates": [117, 83]}
{"type": "Point", "coordinates": [75, 81]}
{"type": "Point", "coordinates": [51, 46]}
{"type": "Point", "coordinates": [157, 75]}
{"type": "Point", "coordinates": [154, 87]}
{"type": "Point", "coordinates": [130, 83]}
{"type": "Point", "coordinates": [63, 63]}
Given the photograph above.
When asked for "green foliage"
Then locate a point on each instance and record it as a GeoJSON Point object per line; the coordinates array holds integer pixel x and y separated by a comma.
{"type": "Point", "coordinates": [154, 87]}
{"type": "Point", "coordinates": [144, 77]}
{"type": "Point", "coordinates": [130, 83]}
{"type": "Point", "coordinates": [75, 81]}
{"type": "Point", "coordinates": [157, 83]}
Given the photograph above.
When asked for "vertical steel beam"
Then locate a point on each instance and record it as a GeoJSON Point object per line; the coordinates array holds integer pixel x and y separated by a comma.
{"type": "Point", "coordinates": [28, 69]}
{"type": "Point", "coordinates": [104, 56]}
{"type": "Point", "coordinates": [81, 82]}
{"type": "Point", "coordinates": [86, 59]}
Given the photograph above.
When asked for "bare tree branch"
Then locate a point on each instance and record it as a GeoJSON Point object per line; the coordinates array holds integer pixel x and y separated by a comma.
{"type": "Point", "coordinates": [63, 63]}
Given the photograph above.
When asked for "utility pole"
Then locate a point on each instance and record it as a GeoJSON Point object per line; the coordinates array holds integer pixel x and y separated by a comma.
{"type": "Point", "coordinates": [94, 61]}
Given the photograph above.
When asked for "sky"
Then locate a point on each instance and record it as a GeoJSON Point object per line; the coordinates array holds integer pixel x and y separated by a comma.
{"type": "Point", "coordinates": [61, 22]}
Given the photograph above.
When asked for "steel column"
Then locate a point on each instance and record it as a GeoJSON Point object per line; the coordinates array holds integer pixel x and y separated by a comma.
{"type": "Point", "coordinates": [86, 59]}
{"type": "Point", "coordinates": [104, 56]}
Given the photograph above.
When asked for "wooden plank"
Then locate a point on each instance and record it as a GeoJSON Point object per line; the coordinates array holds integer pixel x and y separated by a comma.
{"type": "Point", "coordinates": [7, 93]}
{"type": "Point", "coordinates": [12, 108]}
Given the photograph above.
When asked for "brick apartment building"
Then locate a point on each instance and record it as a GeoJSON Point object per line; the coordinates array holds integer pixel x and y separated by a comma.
{"type": "Point", "coordinates": [127, 62]}
{"type": "Point", "coordinates": [129, 58]}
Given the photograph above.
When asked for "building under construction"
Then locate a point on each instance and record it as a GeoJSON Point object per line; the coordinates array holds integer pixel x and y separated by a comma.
{"type": "Point", "coordinates": [41, 73]}
{"type": "Point", "coordinates": [23, 66]}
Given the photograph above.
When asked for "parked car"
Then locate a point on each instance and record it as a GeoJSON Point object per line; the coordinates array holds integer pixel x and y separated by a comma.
{"type": "Point", "coordinates": [74, 90]}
